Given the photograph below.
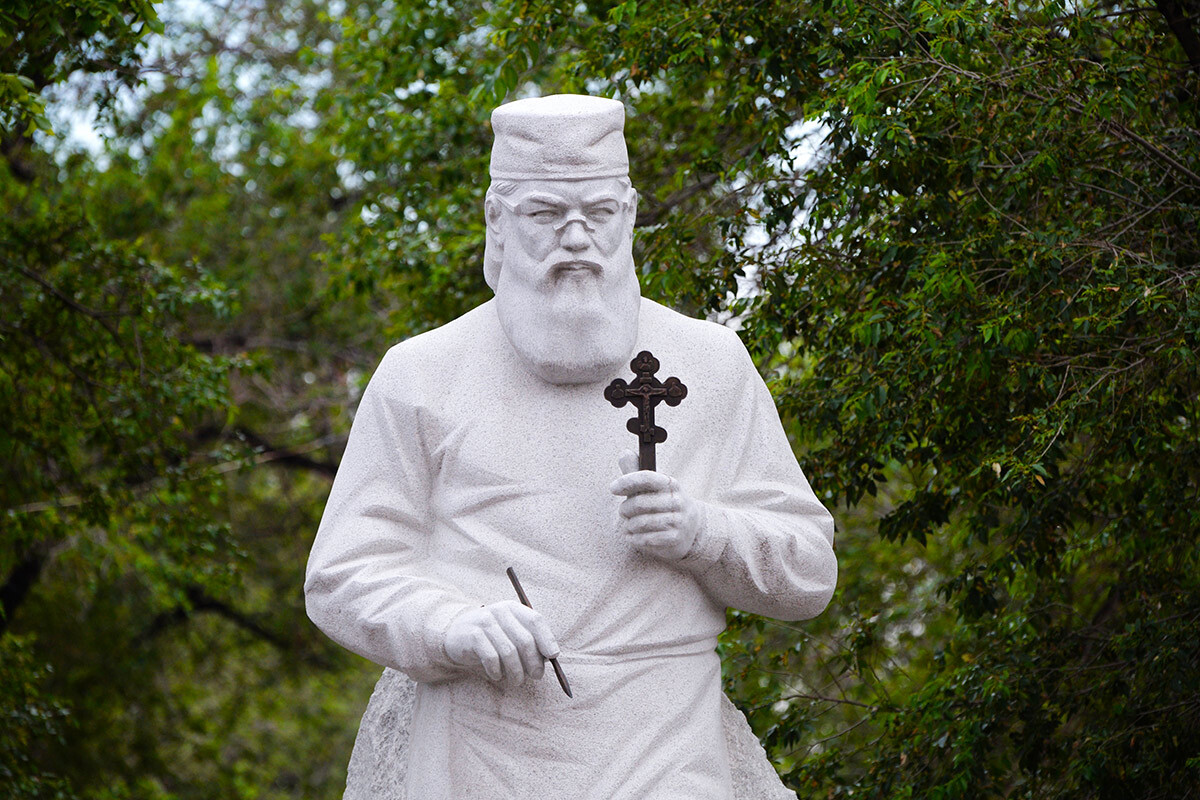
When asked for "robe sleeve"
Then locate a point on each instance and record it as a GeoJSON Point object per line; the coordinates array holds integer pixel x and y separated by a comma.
{"type": "Point", "coordinates": [365, 586]}
{"type": "Point", "coordinates": [765, 544]}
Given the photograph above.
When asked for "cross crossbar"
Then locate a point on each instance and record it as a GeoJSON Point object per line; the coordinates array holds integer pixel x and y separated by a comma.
{"type": "Point", "coordinates": [646, 391]}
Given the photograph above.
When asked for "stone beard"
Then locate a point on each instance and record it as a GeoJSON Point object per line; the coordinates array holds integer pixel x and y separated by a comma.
{"type": "Point", "coordinates": [567, 293]}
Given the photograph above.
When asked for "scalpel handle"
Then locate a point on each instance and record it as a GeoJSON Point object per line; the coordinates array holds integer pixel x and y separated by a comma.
{"type": "Point", "coordinates": [558, 673]}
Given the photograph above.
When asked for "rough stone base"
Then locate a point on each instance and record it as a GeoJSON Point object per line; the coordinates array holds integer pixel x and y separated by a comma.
{"type": "Point", "coordinates": [379, 760]}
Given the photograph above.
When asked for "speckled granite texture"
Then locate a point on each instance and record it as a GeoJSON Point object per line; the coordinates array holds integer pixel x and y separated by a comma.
{"type": "Point", "coordinates": [380, 756]}
{"type": "Point", "coordinates": [439, 491]}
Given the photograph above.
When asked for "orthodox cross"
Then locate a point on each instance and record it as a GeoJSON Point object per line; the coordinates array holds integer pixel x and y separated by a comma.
{"type": "Point", "coordinates": [645, 392]}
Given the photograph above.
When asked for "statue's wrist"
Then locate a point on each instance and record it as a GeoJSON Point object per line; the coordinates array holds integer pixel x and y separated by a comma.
{"type": "Point", "coordinates": [446, 649]}
{"type": "Point", "coordinates": [709, 541]}
{"type": "Point", "coordinates": [698, 523]}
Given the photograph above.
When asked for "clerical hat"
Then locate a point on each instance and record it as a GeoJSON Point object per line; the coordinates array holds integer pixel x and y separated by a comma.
{"type": "Point", "coordinates": [571, 136]}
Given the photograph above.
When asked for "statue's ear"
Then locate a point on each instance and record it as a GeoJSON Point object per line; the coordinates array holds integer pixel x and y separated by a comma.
{"type": "Point", "coordinates": [493, 242]}
{"type": "Point", "coordinates": [493, 213]}
{"type": "Point", "coordinates": [633, 203]}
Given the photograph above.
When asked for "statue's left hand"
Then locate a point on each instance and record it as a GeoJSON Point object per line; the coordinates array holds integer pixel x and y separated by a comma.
{"type": "Point", "coordinates": [659, 518]}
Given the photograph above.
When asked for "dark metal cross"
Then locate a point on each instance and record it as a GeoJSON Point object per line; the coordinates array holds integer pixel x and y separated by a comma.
{"type": "Point", "coordinates": [645, 392]}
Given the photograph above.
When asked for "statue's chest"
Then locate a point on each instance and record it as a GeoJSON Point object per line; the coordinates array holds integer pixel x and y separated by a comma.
{"type": "Point", "coordinates": [537, 444]}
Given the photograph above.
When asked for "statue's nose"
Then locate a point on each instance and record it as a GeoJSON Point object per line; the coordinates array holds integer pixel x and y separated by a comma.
{"type": "Point", "coordinates": [575, 235]}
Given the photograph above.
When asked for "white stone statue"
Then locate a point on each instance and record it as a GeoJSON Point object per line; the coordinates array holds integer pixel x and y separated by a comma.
{"type": "Point", "coordinates": [488, 443]}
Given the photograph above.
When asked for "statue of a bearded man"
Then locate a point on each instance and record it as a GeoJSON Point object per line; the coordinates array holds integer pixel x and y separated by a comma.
{"type": "Point", "coordinates": [488, 443]}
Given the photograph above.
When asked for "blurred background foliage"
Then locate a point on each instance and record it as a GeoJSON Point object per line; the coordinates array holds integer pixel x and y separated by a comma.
{"type": "Point", "coordinates": [960, 239]}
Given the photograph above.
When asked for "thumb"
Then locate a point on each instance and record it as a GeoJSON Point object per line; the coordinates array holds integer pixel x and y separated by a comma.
{"type": "Point", "coordinates": [628, 462]}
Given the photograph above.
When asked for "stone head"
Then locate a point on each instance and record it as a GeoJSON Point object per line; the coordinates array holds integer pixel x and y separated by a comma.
{"type": "Point", "coordinates": [560, 180]}
{"type": "Point", "coordinates": [560, 213]}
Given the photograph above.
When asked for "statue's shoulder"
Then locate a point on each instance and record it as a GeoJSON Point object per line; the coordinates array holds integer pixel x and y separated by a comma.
{"type": "Point", "coordinates": [425, 360]}
{"type": "Point", "coordinates": [713, 344]}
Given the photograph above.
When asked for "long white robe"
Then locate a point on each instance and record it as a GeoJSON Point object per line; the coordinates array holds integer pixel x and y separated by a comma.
{"type": "Point", "coordinates": [461, 463]}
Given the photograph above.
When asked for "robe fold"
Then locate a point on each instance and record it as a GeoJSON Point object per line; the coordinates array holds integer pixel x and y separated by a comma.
{"type": "Point", "coordinates": [461, 463]}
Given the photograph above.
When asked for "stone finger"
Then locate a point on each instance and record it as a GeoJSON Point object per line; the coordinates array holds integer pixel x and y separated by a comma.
{"type": "Point", "coordinates": [651, 503]}
{"type": "Point", "coordinates": [510, 659]}
{"type": "Point", "coordinates": [640, 482]}
{"type": "Point", "coordinates": [482, 647]}
{"type": "Point", "coordinates": [522, 637]}
{"type": "Point", "coordinates": [536, 624]}
{"type": "Point", "coordinates": [654, 540]}
{"type": "Point", "coordinates": [649, 523]}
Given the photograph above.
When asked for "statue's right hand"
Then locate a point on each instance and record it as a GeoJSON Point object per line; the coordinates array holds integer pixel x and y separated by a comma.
{"type": "Point", "coordinates": [505, 641]}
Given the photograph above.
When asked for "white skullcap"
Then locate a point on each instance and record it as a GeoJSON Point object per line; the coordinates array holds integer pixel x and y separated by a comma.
{"type": "Point", "coordinates": [563, 136]}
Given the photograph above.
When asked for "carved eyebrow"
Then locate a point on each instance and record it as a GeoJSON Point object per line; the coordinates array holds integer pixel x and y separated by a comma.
{"type": "Point", "coordinates": [601, 197]}
{"type": "Point", "coordinates": [544, 199]}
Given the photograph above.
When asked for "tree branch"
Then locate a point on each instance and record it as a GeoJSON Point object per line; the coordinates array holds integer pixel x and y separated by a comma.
{"type": "Point", "coordinates": [652, 217]}
{"type": "Point", "coordinates": [265, 451]}
{"type": "Point", "coordinates": [201, 602]}
{"type": "Point", "coordinates": [1179, 21]}
{"type": "Point", "coordinates": [284, 456]}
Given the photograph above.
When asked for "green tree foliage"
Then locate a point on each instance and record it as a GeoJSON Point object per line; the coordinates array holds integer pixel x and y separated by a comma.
{"type": "Point", "coordinates": [960, 239]}
{"type": "Point", "coordinates": [97, 397]}
{"type": "Point", "coordinates": [977, 292]}
{"type": "Point", "coordinates": [42, 43]}
{"type": "Point", "coordinates": [158, 346]}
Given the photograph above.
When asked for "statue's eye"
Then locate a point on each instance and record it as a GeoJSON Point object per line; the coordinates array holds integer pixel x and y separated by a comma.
{"type": "Point", "coordinates": [601, 213]}
{"type": "Point", "coordinates": [544, 215]}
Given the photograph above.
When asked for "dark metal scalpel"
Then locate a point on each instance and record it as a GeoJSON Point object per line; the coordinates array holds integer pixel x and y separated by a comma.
{"type": "Point", "coordinates": [558, 673]}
